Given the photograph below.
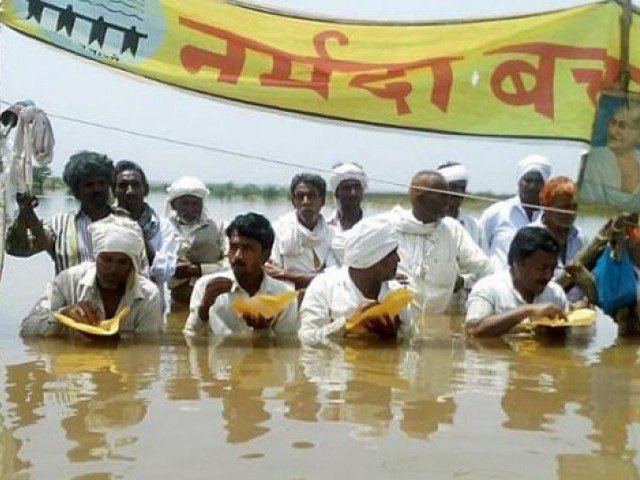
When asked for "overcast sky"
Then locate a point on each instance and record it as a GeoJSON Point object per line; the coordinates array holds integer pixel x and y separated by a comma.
{"type": "Point", "coordinates": [67, 85]}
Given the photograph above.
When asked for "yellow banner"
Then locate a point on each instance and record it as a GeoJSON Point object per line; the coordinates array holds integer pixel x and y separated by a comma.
{"type": "Point", "coordinates": [536, 76]}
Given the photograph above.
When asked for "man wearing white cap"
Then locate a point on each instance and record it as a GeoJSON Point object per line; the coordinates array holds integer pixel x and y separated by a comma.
{"type": "Point", "coordinates": [499, 222]}
{"type": "Point", "coordinates": [457, 177]}
{"type": "Point", "coordinates": [101, 289]}
{"type": "Point", "coordinates": [348, 182]}
{"type": "Point", "coordinates": [202, 244]}
{"type": "Point", "coordinates": [371, 260]}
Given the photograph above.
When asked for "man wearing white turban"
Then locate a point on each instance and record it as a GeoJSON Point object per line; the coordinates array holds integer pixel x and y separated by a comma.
{"type": "Point", "coordinates": [500, 222]}
{"type": "Point", "coordinates": [202, 244]}
{"type": "Point", "coordinates": [371, 260]}
{"type": "Point", "coordinates": [101, 289]}
{"type": "Point", "coordinates": [348, 182]}
{"type": "Point", "coordinates": [457, 177]}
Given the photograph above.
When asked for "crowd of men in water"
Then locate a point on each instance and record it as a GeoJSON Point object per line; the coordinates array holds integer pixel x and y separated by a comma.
{"type": "Point", "coordinates": [523, 258]}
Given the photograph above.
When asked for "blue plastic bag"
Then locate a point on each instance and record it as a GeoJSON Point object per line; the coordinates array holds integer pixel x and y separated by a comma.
{"type": "Point", "coordinates": [616, 282]}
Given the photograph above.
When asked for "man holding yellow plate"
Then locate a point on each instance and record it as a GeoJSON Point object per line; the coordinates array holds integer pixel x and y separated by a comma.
{"type": "Point", "coordinates": [361, 297]}
{"type": "Point", "coordinates": [104, 297]}
{"type": "Point", "coordinates": [244, 299]}
{"type": "Point", "coordinates": [501, 301]}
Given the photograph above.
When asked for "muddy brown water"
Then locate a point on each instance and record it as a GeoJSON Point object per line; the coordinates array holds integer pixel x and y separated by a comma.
{"type": "Point", "coordinates": [438, 406]}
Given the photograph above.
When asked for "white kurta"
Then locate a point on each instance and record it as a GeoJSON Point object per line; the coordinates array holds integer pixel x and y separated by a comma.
{"type": "Point", "coordinates": [432, 255]}
{"type": "Point", "coordinates": [224, 320]}
{"type": "Point", "coordinates": [499, 224]}
{"type": "Point", "coordinates": [472, 226]}
{"type": "Point", "coordinates": [331, 299]}
{"type": "Point", "coordinates": [77, 284]}
{"type": "Point", "coordinates": [297, 249]}
{"type": "Point", "coordinates": [164, 263]}
{"type": "Point", "coordinates": [496, 294]}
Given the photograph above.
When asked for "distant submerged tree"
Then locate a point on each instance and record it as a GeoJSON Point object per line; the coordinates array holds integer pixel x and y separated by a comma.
{"type": "Point", "coordinates": [40, 175]}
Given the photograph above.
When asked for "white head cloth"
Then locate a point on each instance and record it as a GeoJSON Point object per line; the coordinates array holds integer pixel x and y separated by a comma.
{"type": "Point", "coordinates": [347, 171]}
{"type": "Point", "coordinates": [534, 163]}
{"type": "Point", "coordinates": [454, 173]}
{"type": "Point", "coordinates": [369, 241]}
{"type": "Point", "coordinates": [120, 235]}
{"type": "Point", "coordinates": [185, 186]}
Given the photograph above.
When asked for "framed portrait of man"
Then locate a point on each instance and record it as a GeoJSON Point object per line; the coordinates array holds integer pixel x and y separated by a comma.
{"type": "Point", "coordinates": [610, 174]}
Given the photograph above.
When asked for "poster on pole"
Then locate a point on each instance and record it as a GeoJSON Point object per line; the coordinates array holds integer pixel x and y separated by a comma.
{"type": "Point", "coordinates": [611, 169]}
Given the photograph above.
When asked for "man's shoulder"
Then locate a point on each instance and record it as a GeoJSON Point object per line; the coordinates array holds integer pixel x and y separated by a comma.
{"type": "Point", "coordinates": [495, 209]}
{"type": "Point", "coordinates": [330, 278]}
{"type": "Point", "coordinates": [496, 281]}
{"type": "Point", "coordinates": [553, 292]}
{"type": "Point", "coordinates": [274, 285]}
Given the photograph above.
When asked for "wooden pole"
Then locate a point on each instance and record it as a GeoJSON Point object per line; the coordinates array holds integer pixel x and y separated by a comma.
{"type": "Point", "coordinates": [625, 34]}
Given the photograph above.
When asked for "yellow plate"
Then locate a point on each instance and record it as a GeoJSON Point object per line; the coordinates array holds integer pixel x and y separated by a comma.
{"type": "Point", "coordinates": [582, 317]}
{"type": "Point", "coordinates": [392, 305]}
{"type": "Point", "coordinates": [266, 305]}
{"type": "Point", "coordinates": [104, 328]}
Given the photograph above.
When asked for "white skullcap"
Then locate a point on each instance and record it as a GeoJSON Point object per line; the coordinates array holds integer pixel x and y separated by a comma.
{"type": "Point", "coordinates": [454, 173]}
{"type": "Point", "coordinates": [347, 171]}
{"type": "Point", "coordinates": [369, 241]}
{"type": "Point", "coordinates": [534, 163]}
{"type": "Point", "coordinates": [185, 186]}
{"type": "Point", "coordinates": [117, 234]}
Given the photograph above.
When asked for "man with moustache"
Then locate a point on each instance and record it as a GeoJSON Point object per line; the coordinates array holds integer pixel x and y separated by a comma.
{"type": "Point", "coordinates": [348, 182]}
{"type": "Point", "coordinates": [98, 290]}
{"type": "Point", "coordinates": [303, 243]}
{"type": "Point", "coordinates": [334, 296]}
{"type": "Point", "coordinates": [90, 177]}
{"type": "Point", "coordinates": [500, 301]}
{"type": "Point", "coordinates": [435, 249]}
{"type": "Point", "coordinates": [499, 222]}
{"type": "Point", "coordinates": [210, 311]}
{"type": "Point", "coordinates": [131, 188]}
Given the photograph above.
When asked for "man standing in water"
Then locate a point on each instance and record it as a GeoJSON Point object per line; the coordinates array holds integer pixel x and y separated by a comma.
{"type": "Point", "coordinates": [303, 244]}
{"type": "Point", "coordinates": [500, 301]}
{"type": "Point", "coordinates": [457, 177]}
{"type": "Point", "coordinates": [371, 259]}
{"type": "Point", "coordinates": [348, 183]}
{"type": "Point", "coordinates": [201, 240]}
{"type": "Point", "coordinates": [99, 289]}
{"type": "Point", "coordinates": [499, 222]}
{"type": "Point", "coordinates": [210, 311]}
{"type": "Point", "coordinates": [435, 249]}
{"type": "Point", "coordinates": [159, 237]}
{"type": "Point", "coordinates": [90, 176]}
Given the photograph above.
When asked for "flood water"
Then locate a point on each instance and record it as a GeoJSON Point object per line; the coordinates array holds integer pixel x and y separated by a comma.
{"type": "Point", "coordinates": [439, 406]}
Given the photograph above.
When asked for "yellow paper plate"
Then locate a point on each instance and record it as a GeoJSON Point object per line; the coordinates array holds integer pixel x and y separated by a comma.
{"type": "Point", "coordinates": [392, 305]}
{"type": "Point", "coordinates": [266, 305]}
{"type": "Point", "coordinates": [105, 328]}
{"type": "Point", "coordinates": [582, 317]}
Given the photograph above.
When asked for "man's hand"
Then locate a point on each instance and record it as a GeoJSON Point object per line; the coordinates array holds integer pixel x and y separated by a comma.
{"type": "Point", "coordinates": [257, 322]}
{"type": "Point", "coordinates": [213, 290]}
{"type": "Point", "coordinates": [187, 269]}
{"type": "Point", "coordinates": [549, 310]}
{"type": "Point", "coordinates": [83, 312]}
{"type": "Point", "coordinates": [273, 270]}
{"type": "Point", "coordinates": [26, 201]}
{"type": "Point", "coordinates": [384, 327]}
